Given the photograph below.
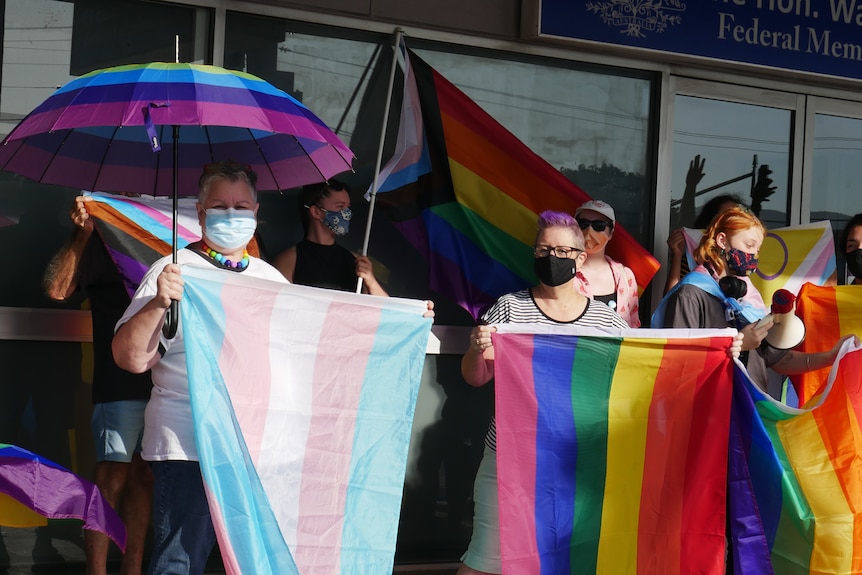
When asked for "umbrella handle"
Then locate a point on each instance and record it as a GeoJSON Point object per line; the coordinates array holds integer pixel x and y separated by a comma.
{"type": "Point", "coordinates": [172, 320]}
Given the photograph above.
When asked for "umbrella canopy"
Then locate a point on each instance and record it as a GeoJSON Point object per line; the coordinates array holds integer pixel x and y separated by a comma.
{"type": "Point", "coordinates": [98, 132]}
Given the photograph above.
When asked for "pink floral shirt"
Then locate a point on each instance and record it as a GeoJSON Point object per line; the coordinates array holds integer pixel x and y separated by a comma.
{"type": "Point", "coordinates": [627, 291]}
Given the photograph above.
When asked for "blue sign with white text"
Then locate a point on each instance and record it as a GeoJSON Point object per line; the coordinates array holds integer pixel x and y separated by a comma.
{"type": "Point", "coordinates": [822, 36]}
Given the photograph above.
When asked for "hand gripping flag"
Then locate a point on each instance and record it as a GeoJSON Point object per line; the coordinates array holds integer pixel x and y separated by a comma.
{"type": "Point", "coordinates": [303, 401]}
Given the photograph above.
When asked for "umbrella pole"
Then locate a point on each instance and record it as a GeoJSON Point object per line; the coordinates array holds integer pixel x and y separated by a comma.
{"type": "Point", "coordinates": [173, 317]}
{"type": "Point", "coordinates": [399, 33]}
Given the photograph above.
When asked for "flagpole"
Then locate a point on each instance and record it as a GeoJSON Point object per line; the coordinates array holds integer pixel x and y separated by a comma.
{"type": "Point", "coordinates": [399, 33]}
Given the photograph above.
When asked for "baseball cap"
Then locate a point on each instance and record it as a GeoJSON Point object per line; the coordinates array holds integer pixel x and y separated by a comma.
{"type": "Point", "coordinates": [597, 206]}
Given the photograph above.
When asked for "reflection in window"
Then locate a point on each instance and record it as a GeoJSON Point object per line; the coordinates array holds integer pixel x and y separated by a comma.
{"type": "Point", "coordinates": [592, 126]}
{"type": "Point", "coordinates": [734, 141]}
{"type": "Point", "coordinates": [37, 47]}
{"type": "Point", "coordinates": [837, 170]}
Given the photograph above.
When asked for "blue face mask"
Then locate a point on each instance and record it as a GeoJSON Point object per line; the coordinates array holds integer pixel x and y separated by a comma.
{"type": "Point", "coordinates": [229, 229]}
{"type": "Point", "coordinates": [338, 222]}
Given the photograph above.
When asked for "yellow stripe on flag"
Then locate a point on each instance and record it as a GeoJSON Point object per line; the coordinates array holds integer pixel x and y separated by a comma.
{"type": "Point", "coordinates": [628, 418]}
{"type": "Point", "coordinates": [15, 514]}
{"type": "Point", "coordinates": [834, 533]}
{"type": "Point", "coordinates": [492, 204]}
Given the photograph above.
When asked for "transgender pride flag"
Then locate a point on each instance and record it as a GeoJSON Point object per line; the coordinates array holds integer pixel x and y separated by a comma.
{"type": "Point", "coordinates": [303, 402]}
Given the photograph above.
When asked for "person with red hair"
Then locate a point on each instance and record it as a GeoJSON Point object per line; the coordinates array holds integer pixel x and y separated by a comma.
{"type": "Point", "coordinates": [718, 294]}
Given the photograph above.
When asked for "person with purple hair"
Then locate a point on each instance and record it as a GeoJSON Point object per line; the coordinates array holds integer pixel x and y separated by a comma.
{"type": "Point", "coordinates": [559, 254]}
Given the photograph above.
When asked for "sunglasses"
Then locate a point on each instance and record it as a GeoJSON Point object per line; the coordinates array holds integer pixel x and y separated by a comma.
{"type": "Point", "coordinates": [598, 225]}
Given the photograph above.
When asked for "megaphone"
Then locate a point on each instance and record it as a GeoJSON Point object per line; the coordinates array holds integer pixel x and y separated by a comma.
{"type": "Point", "coordinates": [787, 329]}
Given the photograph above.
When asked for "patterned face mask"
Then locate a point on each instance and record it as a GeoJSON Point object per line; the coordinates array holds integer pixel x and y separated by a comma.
{"type": "Point", "coordinates": [740, 263]}
{"type": "Point", "coordinates": [338, 222]}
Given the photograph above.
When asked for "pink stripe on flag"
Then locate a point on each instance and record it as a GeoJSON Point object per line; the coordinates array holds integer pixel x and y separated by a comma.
{"type": "Point", "coordinates": [163, 219]}
{"type": "Point", "coordinates": [520, 515]}
{"type": "Point", "coordinates": [336, 389]}
{"type": "Point", "coordinates": [251, 402]}
{"type": "Point", "coordinates": [228, 554]}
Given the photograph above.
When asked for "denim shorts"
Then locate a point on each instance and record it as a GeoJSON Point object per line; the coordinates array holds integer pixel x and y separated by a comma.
{"type": "Point", "coordinates": [483, 554]}
{"type": "Point", "coordinates": [118, 427]}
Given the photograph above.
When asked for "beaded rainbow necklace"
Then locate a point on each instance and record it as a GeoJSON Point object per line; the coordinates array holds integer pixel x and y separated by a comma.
{"type": "Point", "coordinates": [240, 265]}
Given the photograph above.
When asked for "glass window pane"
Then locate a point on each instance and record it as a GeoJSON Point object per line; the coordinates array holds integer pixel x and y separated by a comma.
{"type": "Point", "coordinates": [734, 141]}
{"type": "Point", "coordinates": [592, 126]}
{"type": "Point", "coordinates": [837, 169]}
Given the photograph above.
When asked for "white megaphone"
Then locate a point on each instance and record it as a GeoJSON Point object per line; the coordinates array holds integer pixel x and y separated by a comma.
{"type": "Point", "coordinates": [787, 329]}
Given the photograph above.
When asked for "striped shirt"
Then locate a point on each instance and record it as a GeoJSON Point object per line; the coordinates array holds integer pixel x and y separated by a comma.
{"type": "Point", "coordinates": [520, 307]}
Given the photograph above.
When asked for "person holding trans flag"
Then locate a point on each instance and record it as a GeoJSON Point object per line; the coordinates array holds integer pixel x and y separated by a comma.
{"type": "Point", "coordinates": [227, 210]}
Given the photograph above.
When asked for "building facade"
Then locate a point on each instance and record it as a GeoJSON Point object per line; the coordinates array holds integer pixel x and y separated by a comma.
{"type": "Point", "coordinates": [632, 103]}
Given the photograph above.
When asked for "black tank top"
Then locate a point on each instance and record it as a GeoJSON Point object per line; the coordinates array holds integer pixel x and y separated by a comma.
{"type": "Point", "coordinates": [331, 267]}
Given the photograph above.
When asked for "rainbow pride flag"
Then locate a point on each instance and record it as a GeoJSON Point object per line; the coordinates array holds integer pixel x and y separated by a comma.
{"type": "Point", "coordinates": [796, 477]}
{"type": "Point", "coordinates": [303, 412]}
{"type": "Point", "coordinates": [34, 489]}
{"type": "Point", "coordinates": [612, 449]}
{"type": "Point", "coordinates": [828, 314]}
{"type": "Point", "coordinates": [138, 231]}
{"type": "Point", "coordinates": [789, 257]}
{"type": "Point", "coordinates": [474, 213]}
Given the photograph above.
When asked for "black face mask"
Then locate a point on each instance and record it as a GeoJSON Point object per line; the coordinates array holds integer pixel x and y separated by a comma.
{"type": "Point", "coordinates": [854, 263]}
{"type": "Point", "coordinates": [554, 271]}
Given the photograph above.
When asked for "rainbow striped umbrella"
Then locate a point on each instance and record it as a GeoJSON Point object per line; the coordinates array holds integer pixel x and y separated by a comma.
{"type": "Point", "coordinates": [99, 132]}
{"type": "Point", "coordinates": [150, 128]}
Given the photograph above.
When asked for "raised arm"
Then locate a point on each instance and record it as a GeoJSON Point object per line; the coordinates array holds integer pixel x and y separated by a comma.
{"type": "Point", "coordinates": [61, 275]}
{"type": "Point", "coordinates": [136, 342]}
{"type": "Point", "coordinates": [795, 362]}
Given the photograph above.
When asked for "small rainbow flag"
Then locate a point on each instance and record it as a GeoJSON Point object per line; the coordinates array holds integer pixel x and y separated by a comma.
{"type": "Point", "coordinates": [34, 489]}
{"type": "Point", "coordinates": [303, 411]}
{"type": "Point", "coordinates": [612, 449]}
{"type": "Point", "coordinates": [475, 193]}
{"type": "Point", "coordinates": [796, 477]}
{"type": "Point", "coordinates": [828, 314]}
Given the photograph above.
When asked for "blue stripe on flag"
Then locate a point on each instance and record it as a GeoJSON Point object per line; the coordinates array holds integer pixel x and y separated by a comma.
{"type": "Point", "coordinates": [410, 173]}
{"type": "Point", "coordinates": [555, 498]}
{"type": "Point", "coordinates": [380, 445]}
